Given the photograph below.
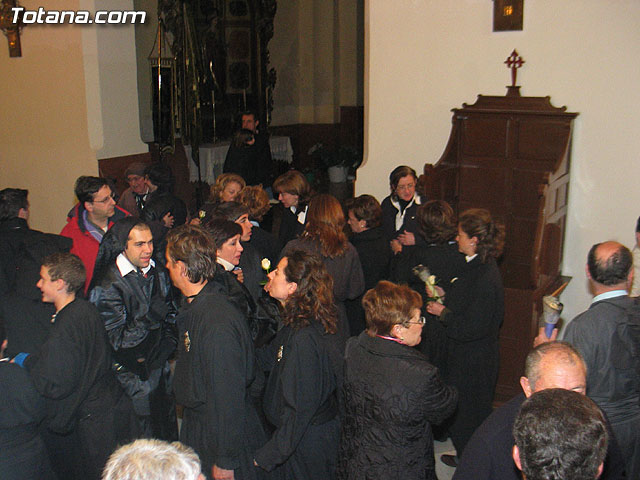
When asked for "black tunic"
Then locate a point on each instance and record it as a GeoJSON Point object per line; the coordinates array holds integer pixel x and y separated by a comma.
{"type": "Point", "coordinates": [251, 162]}
{"type": "Point", "coordinates": [215, 369]}
{"type": "Point", "coordinates": [73, 371]}
{"type": "Point", "coordinates": [410, 224]}
{"type": "Point", "coordinates": [392, 395]}
{"type": "Point", "coordinates": [474, 314]}
{"type": "Point", "coordinates": [443, 261]}
{"type": "Point", "coordinates": [301, 402]}
{"type": "Point", "coordinates": [22, 409]}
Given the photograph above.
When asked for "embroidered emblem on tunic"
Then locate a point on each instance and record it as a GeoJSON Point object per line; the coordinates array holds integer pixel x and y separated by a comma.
{"type": "Point", "coordinates": [187, 341]}
{"type": "Point", "coordinates": [279, 357]}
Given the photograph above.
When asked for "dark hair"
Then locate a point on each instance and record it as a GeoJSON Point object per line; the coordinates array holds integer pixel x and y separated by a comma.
{"type": "Point", "coordinates": [222, 230]}
{"type": "Point", "coordinates": [196, 249]}
{"type": "Point", "coordinates": [256, 201]}
{"type": "Point", "coordinates": [231, 211]}
{"type": "Point", "coordinates": [437, 222]}
{"type": "Point", "coordinates": [565, 353]}
{"type": "Point", "coordinates": [367, 208]}
{"type": "Point", "coordinates": [11, 201]}
{"type": "Point", "coordinates": [399, 173]}
{"type": "Point", "coordinates": [325, 225]}
{"type": "Point", "coordinates": [477, 222]}
{"type": "Point", "coordinates": [560, 434]}
{"type": "Point", "coordinates": [389, 304]}
{"type": "Point", "coordinates": [638, 225]}
{"type": "Point", "coordinates": [86, 187]}
{"type": "Point", "coordinates": [113, 243]}
{"type": "Point", "coordinates": [161, 176]}
{"type": "Point", "coordinates": [313, 298]}
{"type": "Point", "coordinates": [68, 268]}
{"type": "Point", "coordinates": [294, 183]}
{"type": "Point", "coordinates": [612, 270]}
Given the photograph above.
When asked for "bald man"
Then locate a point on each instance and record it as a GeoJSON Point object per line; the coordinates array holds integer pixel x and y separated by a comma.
{"type": "Point", "coordinates": [488, 455]}
{"type": "Point", "coordinates": [602, 335]}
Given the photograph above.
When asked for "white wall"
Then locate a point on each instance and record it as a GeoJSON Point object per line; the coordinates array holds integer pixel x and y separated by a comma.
{"type": "Point", "coordinates": [424, 57]}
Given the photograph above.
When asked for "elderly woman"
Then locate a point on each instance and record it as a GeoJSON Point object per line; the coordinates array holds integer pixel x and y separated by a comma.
{"type": "Point", "coordinates": [399, 209]}
{"type": "Point", "coordinates": [294, 193]}
{"type": "Point", "coordinates": [392, 394]}
{"type": "Point", "coordinates": [472, 313]}
{"type": "Point", "coordinates": [324, 234]}
{"type": "Point", "coordinates": [301, 396]}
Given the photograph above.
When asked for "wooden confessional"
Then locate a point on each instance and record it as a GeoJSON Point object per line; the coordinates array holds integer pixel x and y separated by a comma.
{"type": "Point", "coordinates": [511, 155]}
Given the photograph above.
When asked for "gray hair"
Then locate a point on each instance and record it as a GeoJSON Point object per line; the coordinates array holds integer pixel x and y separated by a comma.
{"type": "Point", "coordinates": [150, 459]}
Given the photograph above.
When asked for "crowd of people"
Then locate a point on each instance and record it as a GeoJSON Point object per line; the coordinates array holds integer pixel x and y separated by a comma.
{"type": "Point", "coordinates": [328, 348]}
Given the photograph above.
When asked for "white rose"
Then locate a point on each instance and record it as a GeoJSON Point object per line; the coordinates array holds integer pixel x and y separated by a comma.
{"type": "Point", "coordinates": [266, 264]}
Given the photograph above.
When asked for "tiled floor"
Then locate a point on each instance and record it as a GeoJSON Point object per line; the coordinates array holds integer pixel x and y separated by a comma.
{"type": "Point", "coordinates": [444, 472]}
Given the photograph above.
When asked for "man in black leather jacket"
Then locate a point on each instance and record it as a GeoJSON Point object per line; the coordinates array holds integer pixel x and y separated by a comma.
{"type": "Point", "coordinates": [133, 295]}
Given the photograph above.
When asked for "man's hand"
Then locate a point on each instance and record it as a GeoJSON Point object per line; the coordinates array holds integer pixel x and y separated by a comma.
{"type": "Point", "coordinates": [407, 238]}
{"type": "Point", "coordinates": [167, 220]}
{"type": "Point", "coordinates": [542, 337]}
{"type": "Point", "coordinates": [220, 473]}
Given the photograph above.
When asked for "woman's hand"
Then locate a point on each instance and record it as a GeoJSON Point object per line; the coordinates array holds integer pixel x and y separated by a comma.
{"type": "Point", "coordinates": [396, 246]}
{"type": "Point", "coordinates": [239, 274]}
{"type": "Point", "coordinates": [221, 474]}
{"type": "Point", "coordinates": [407, 238]}
{"type": "Point", "coordinates": [435, 308]}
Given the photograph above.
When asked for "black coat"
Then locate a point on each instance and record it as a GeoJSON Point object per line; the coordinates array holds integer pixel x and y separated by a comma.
{"type": "Point", "coordinates": [373, 250]}
{"type": "Point", "coordinates": [301, 403]}
{"type": "Point", "coordinates": [266, 243]}
{"type": "Point", "coordinates": [472, 319]}
{"type": "Point", "coordinates": [251, 162]}
{"type": "Point", "coordinates": [22, 409]}
{"type": "Point", "coordinates": [214, 373]}
{"type": "Point", "coordinates": [443, 261]}
{"type": "Point", "coordinates": [392, 395]}
{"type": "Point", "coordinates": [290, 228]}
{"type": "Point", "coordinates": [410, 224]}
{"type": "Point", "coordinates": [73, 371]}
{"type": "Point", "coordinates": [254, 275]}
{"type": "Point", "coordinates": [157, 205]}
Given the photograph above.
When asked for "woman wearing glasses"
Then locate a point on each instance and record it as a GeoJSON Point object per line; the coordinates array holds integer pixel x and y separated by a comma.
{"type": "Point", "coordinates": [392, 394]}
{"type": "Point", "coordinates": [399, 209]}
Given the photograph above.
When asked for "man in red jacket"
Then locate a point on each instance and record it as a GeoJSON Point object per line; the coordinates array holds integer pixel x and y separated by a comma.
{"type": "Point", "coordinates": [88, 221]}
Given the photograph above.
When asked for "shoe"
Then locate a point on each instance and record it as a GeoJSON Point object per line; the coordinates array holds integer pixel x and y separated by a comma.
{"type": "Point", "coordinates": [449, 460]}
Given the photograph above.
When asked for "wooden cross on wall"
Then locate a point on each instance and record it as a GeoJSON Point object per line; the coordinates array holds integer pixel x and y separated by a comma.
{"type": "Point", "coordinates": [10, 29]}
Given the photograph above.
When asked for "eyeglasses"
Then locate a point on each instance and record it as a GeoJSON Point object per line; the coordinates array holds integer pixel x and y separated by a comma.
{"type": "Point", "coordinates": [409, 186]}
{"type": "Point", "coordinates": [106, 200]}
{"type": "Point", "coordinates": [420, 321]}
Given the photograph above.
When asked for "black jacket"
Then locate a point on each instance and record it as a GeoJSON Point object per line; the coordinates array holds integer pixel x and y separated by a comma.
{"type": "Point", "coordinates": [392, 395]}
{"type": "Point", "coordinates": [251, 162]}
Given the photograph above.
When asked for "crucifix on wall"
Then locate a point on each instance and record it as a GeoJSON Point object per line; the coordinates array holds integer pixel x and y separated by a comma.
{"type": "Point", "coordinates": [10, 27]}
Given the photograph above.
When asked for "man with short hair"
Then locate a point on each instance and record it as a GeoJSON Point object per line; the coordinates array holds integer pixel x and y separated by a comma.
{"type": "Point", "coordinates": [22, 250]}
{"type": "Point", "coordinates": [215, 367]}
{"type": "Point", "coordinates": [602, 334]}
{"type": "Point", "coordinates": [133, 198]}
{"type": "Point", "coordinates": [133, 295]}
{"type": "Point", "coordinates": [488, 453]}
{"type": "Point", "coordinates": [561, 435]}
{"type": "Point", "coordinates": [88, 221]}
{"type": "Point", "coordinates": [152, 459]}
{"type": "Point", "coordinates": [250, 159]}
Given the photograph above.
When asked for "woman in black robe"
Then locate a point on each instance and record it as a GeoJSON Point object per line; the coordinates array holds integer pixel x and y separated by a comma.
{"type": "Point", "coordinates": [472, 314]}
{"type": "Point", "coordinates": [441, 257]}
{"type": "Point", "coordinates": [306, 363]}
{"type": "Point", "coordinates": [324, 235]}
